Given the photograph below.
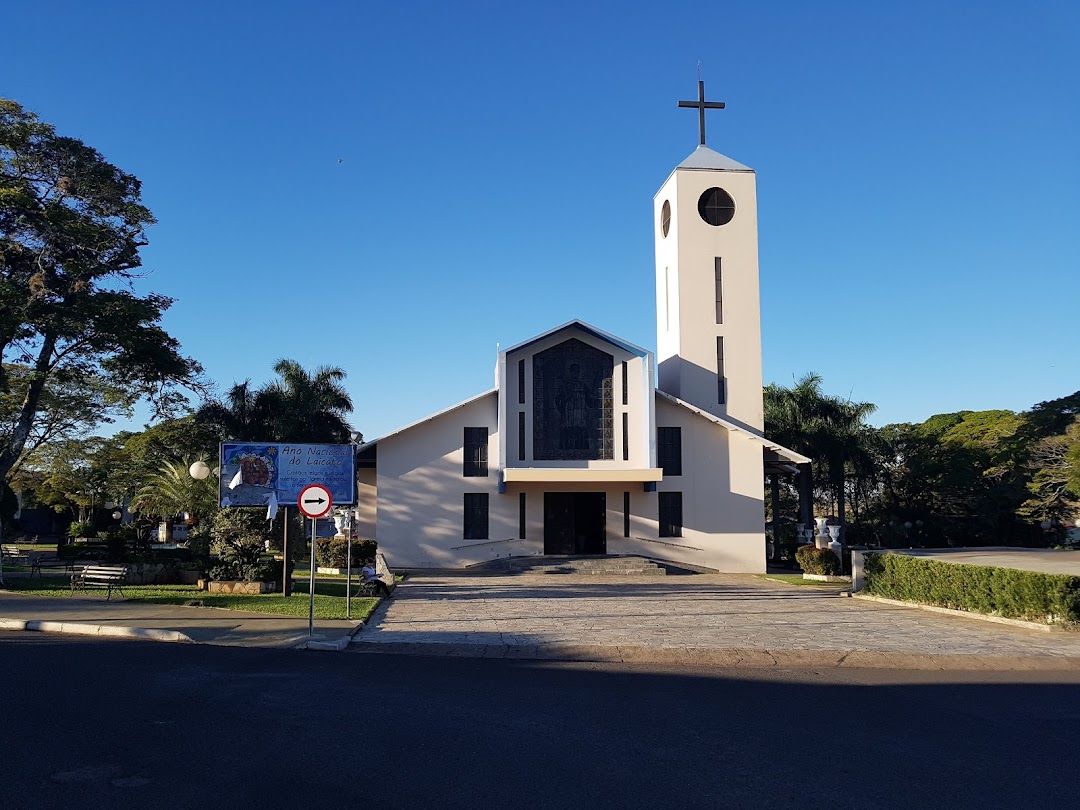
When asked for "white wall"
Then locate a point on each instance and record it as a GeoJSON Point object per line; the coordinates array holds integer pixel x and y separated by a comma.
{"type": "Point", "coordinates": [419, 519]}
{"type": "Point", "coordinates": [686, 309]}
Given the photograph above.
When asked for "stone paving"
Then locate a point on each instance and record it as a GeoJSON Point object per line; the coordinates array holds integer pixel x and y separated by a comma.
{"type": "Point", "coordinates": [702, 612]}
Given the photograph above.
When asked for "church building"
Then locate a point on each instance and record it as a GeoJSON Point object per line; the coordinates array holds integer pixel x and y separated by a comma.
{"type": "Point", "coordinates": [590, 445]}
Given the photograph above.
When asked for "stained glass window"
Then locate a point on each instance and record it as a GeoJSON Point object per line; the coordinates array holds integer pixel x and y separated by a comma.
{"type": "Point", "coordinates": [572, 403]}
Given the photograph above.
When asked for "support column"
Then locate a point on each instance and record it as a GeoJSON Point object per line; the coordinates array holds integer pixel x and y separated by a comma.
{"type": "Point", "coordinates": [806, 495]}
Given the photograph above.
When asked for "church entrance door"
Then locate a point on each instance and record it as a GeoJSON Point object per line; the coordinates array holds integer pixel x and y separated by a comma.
{"type": "Point", "coordinates": [575, 523]}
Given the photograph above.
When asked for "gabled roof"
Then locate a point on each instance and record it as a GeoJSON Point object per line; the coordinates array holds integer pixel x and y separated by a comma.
{"type": "Point", "coordinates": [779, 449]}
{"type": "Point", "coordinates": [418, 422]}
{"type": "Point", "coordinates": [592, 330]}
{"type": "Point", "coordinates": [705, 158]}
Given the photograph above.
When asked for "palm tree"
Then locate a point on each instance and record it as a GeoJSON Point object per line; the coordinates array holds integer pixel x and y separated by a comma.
{"type": "Point", "coordinates": [307, 407]}
{"type": "Point", "coordinates": [172, 490]}
{"type": "Point", "coordinates": [831, 430]}
{"type": "Point", "coordinates": [242, 416]}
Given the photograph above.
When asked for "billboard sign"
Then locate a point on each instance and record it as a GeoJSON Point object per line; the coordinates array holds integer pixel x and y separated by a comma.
{"type": "Point", "coordinates": [260, 473]}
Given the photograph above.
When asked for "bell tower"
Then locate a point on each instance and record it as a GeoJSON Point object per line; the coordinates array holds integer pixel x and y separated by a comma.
{"type": "Point", "coordinates": [708, 309]}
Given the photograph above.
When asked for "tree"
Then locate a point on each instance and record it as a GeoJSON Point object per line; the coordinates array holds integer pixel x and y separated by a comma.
{"type": "Point", "coordinates": [72, 404]}
{"type": "Point", "coordinates": [71, 226]}
{"type": "Point", "coordinates": [307, 407]}
{"type": "Point", "coordinates": [242, 416]}
{"type": "Point", "coordinates": [828, 429]}
{"type": "Point", "coordinates": [172, 490]}
{"type": "Point", "coordinates": [1055, 482]}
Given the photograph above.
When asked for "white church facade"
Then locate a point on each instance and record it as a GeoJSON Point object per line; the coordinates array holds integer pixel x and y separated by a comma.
{"type": "Point", "coordinates": [590, 445]}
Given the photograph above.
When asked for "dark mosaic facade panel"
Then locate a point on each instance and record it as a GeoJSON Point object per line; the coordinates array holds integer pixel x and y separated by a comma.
{"type": "Point", "coordinates": [572, 403]}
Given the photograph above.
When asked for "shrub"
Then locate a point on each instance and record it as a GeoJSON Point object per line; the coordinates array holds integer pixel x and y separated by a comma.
{"type": "Point", "coordinates": [330, 552]}
{"type": "Point", "coordinates": [80, 528]}
{"type": "Point", "coordinates": [814, 560]}
{"type": "Point", "coordinates": [983, 589]}
{"type": "Point", "coordinates": [238, 538]}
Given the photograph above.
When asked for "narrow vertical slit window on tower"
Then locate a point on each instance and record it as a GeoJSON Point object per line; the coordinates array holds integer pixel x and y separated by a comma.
{"type": "Point", "coordinates": [521, 381]}
{"type": "Point", "coordinates": [625, 436]}
{"type": "Point", "coordinates": [721, 383]}
{"type": "Point", "coordinates": [625, 386]}
{"type": "Point", "coordinates": [719, 292]}
{"type": "Point", "coordinates": [626, 514]}
{"type": "Point", "coordinates": [521, 515]}
{"type": "Point", "coordinates": [667, 301]}
{"type": "Point", "coordinates": [521, 435]}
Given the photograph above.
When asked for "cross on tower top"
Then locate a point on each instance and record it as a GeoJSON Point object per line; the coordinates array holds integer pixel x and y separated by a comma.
{"type": "Point", "coordinates": [702, 105]}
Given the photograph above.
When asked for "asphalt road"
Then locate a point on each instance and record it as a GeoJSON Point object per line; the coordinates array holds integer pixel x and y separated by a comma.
{"type": "Point", "coordinates": [94, 723]}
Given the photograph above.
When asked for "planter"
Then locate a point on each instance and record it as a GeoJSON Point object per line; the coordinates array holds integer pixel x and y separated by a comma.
{"type": "Point", "coordinates": [826, 578]}
{"type": "Point", "coordinates": [235, 586]}
{"type": "Point", "coordinates": [189, 577]}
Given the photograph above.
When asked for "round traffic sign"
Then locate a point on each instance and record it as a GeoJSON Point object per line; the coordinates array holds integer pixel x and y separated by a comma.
{"type": "Point", "coordinates": [315, 500]}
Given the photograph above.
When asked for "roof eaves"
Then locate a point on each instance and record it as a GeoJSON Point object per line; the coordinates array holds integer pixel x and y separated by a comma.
{"type": "Point", "coordinates": [779, 449]}
{"type": "Point", "coordinates": [419, 422]}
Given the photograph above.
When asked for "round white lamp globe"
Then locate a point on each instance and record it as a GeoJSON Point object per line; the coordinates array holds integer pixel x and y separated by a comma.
{"type": "Point", "coordinates": [199, 471]}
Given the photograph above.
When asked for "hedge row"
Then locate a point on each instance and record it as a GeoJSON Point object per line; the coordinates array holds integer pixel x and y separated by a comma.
{"type": "Point", "coordinates": [1003, 592]}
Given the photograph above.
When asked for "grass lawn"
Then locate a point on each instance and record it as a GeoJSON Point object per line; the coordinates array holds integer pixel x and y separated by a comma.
{"type": "Point", "coordinates": [796, 579]}
{"type": "Point", "coordinates": [329, 597]}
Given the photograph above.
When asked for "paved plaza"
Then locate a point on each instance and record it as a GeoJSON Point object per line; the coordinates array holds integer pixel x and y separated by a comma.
{"type": "Point", "coordinates": [527, 614]}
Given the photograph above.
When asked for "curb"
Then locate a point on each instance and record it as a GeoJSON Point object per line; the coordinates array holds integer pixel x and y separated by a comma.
{"type": "Point", "coordinates": [969, 614]}
{"type": "Point", "coordinates": [83, 629]}
{"type": "Point", "coordinates": [331, 646]}
{"type": "Point", "coordinates": [695, 656]}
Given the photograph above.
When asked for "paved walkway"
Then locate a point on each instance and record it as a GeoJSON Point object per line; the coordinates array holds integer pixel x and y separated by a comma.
{"type": "Point", "coordinates": [683, 618]}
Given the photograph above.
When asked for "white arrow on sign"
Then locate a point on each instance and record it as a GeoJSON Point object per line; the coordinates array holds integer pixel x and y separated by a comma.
{"type": "Point", "coordinates": [315, 500]}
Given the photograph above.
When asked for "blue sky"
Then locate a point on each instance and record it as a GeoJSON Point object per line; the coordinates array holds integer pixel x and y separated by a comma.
{"type": "Point", "coordinates": [393, 188]}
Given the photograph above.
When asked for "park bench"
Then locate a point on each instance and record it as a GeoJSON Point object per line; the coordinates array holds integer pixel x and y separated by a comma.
{"type": "Point", "coordinates": [99, 576]}
{"type": "Point", "coordinates": [11, 553]}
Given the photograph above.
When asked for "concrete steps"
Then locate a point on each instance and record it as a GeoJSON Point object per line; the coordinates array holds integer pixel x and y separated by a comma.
{"type": "Point", "coordinates": [588, 566]}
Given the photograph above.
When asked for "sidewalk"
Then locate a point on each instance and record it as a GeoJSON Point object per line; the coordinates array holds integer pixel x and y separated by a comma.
{"type": "Point", "coordinates": [201, 625]}
{"type": "Point", "coordinates": [714, 620]}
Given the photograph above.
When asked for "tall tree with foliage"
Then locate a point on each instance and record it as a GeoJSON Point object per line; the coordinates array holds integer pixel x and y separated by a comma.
{"type": "Point", "coordinates": [172, 490]}
{"type": "Point", "coordinates": [828, 429]}
{"type": "Point", "coordinates": [71, 226]}
{"type": "Point", "coordinates": [308, 406]}
{"type": "Point", "coordinates": [243, 415]}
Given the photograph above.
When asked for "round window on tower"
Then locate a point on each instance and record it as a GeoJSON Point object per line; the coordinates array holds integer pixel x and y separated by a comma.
{"type": "Point", "coordinates": [716, 206]}
{"type": "Point", "coordinates": [665, 219]}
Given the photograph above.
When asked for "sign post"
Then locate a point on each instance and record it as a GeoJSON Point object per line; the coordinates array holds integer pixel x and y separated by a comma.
{"type": "Point", "coordinates": [314, 502]}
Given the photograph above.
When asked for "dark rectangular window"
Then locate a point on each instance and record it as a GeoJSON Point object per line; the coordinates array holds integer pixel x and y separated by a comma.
{"type": "Point", "coordinates": [521, 435]}
{"type": "Point", "coordinates": [521, 516]}
{"type": "Point", "coordinates": [719, 292]}
{"type": "Point", "coordinates": [626, 514]}
{"type": "Point", "coordinates": [475, 464]}
{"type": "Point", "coordinates": [521, 381]}
{"type": "Point", "coordinates": [669, 450]}
{"type": "Point", "coordinates": [625, 386]}
{"type": "Point", "coordinates": [476, 516]}
{"type": "Point", "coordinates": [721, 387]}
{"type": "Point", "coordinates": [670, 514]}
{"type": "Point", "coordinates": [625, 436]}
